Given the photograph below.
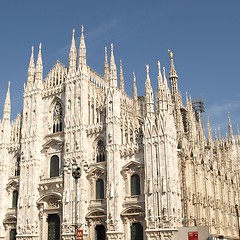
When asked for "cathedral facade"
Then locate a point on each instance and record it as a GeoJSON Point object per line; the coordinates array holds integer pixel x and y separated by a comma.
{"type": "Point", "coordinates": [86, 161]}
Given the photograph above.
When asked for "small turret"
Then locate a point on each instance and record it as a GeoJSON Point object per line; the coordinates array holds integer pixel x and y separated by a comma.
{"type": "Point", "coordinates": [72, 53]}
{"type": "Point", "coordinates": [113, 70]}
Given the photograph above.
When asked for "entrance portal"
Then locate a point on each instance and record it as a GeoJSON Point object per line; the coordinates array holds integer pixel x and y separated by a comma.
{"type": "Point", "coordinates": [100, 233]}
{"type": "Point", "coordinates": [136, 231]}
{"type": "Point", "coordinates": [53, 227]}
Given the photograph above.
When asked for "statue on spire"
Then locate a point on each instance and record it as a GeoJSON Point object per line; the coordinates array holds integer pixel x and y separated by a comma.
{"type": "Point", "coordinates": [170, 54]}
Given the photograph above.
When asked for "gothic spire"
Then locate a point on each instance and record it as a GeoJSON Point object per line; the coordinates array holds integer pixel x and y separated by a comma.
{"type": "Point", "coordinates": [121, 78]}
{"type": "Point", "coordinates": [135, 94]}
{"type": "Point", "coordinates": [113, 70]}
{"type": "Point", "coordinates": [165, 78]}
{"type": "Point", "coordinates": [210, 140]}
{"type": "Point", "coordinates": [173, 77]}
{"type": "Point", "coordinates": [31, 67]}
{"type": "Point", "coordinates": [39, 66]}
{"type": "Point", "coordinates": [160, 79]}
{"type": "Point", "coordinates": [148, 93]}
{"type": "Point", "coordinates": [230, 126]}
{"type": "Point", "coordinates": [82, 51]}
{"type": "Point", "coordinates": [72, 53]}
{"type": "Point", "coordinates": [106, 67]}
{"type": "Point", "coordinates": [173, 72]}
{"type": "Point", "coordinates": [148, 86]}
{"type": "Point", "coordinates": [163, 95]}
{"type": "Point", "coordinates": [7, 105]}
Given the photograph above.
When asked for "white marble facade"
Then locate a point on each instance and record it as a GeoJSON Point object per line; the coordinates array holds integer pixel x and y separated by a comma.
{"type": "Point", "coordinates": [147, 168]}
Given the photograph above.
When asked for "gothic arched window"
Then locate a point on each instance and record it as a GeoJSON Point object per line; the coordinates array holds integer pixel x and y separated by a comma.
{"type": "Point", "coordinates": [17, 167]}
{"type": "Point", "coordinates": [99, 189]}
{"type": "Point", "coordinates": [135, 184]}
{"type": "Point", "coordinates": [100, 151]}
{"type": "Point", "coordinates": [14, 198]}
{"type": "Point", "coordinates": [54, 166]}
{"type": "Point", "coordinates": [57, 118]}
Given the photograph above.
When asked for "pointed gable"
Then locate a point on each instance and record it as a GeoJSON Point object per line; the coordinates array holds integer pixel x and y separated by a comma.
{"type": "Point", "coordinates": [56, 76]}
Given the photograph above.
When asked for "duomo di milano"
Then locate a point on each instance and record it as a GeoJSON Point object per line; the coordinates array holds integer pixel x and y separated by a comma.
{"type": "Point", "coordinates": [84, 156]}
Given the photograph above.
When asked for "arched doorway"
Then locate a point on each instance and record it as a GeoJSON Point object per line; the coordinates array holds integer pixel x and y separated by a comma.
{"type": "Point", "coordinates": [49, 206]}
{"type": "Point", "coordinates": [134, 223]}
{"type": "Point", "coordinates": [53, 227]}
{"type": "Point", "coordinates": [13, 234]}
{"type": "Point", "coordinates": [97, 224]}
{"type": "Point", "coordinates": [136, 231]}
{"type": "Point", "coordinates": [100, 232]}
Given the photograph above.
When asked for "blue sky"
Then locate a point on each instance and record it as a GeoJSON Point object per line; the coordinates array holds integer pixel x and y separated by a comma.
{"type": "Point", "coordinates": [204, 36]}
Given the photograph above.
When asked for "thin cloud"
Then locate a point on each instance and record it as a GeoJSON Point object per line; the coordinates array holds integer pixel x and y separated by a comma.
{"type": "Point", "coordinates": [219, 110]}
{"type": "Point", "coordinates": [219, 115]}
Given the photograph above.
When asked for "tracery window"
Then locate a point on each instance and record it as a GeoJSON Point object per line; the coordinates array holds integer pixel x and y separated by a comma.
{"type": "Point", "coordinates": [57, 118]}
{"type": "Point", "coordinates": [135, 184]}
{"type": "Point", "coordinates": [99, 189]}
{"type": "Point", "coordinates": [100, 151]}
{"type": "Point", "coordinates": [14, 198]}
{"type": "Point", "coordinates": [54, 166]}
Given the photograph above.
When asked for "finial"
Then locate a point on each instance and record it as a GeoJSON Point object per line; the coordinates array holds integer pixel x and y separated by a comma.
{"type": "Point", "coordinates": [8, 84]}
{"type": "Point", "coordinates": [40, 46]}
{"type": "Point", "coordinates": [134, 77]}
{"type": "Point", "coordinates": [164, 72]}
{"type": "Point", "coordinates": [32, 49]}
{"type": "Point", "coordinates": [170, 54]}
{"type": "Point", "coordinates": [159, 67]}
{"type": "Point", "coordinates": [135, 95]}
{"type": "Point", "coordinates": [111, 47]}
{"type": "Point", "coordinates": [73, 31]}
{"type": "Point", "coordinates": [147, 68]}
{"type": "Point", "coordinates": [82, 29]}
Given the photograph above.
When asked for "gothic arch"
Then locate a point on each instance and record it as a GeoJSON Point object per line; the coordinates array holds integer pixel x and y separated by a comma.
{"type": "Point", "coordinates": [47, 196]}
{"type": "Point", "coordinates": [56, 115]}
{"type": "Point", "coordinates": [12, 185]}
{"type": "Point", "coordinates": [94, 218]}
{"type": "Point", "coordinates": [133, 210]}
{"type": "Point", "coordinates": [96, 213]}
{"type": "Point", "coordinates": [132, 215]}
{"type": "Point", "coordinates": [49, 205]}
{"type": "Point", "coordinates": [99, 154]}
{"type": "Point", "coordinates": [10, 221]}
